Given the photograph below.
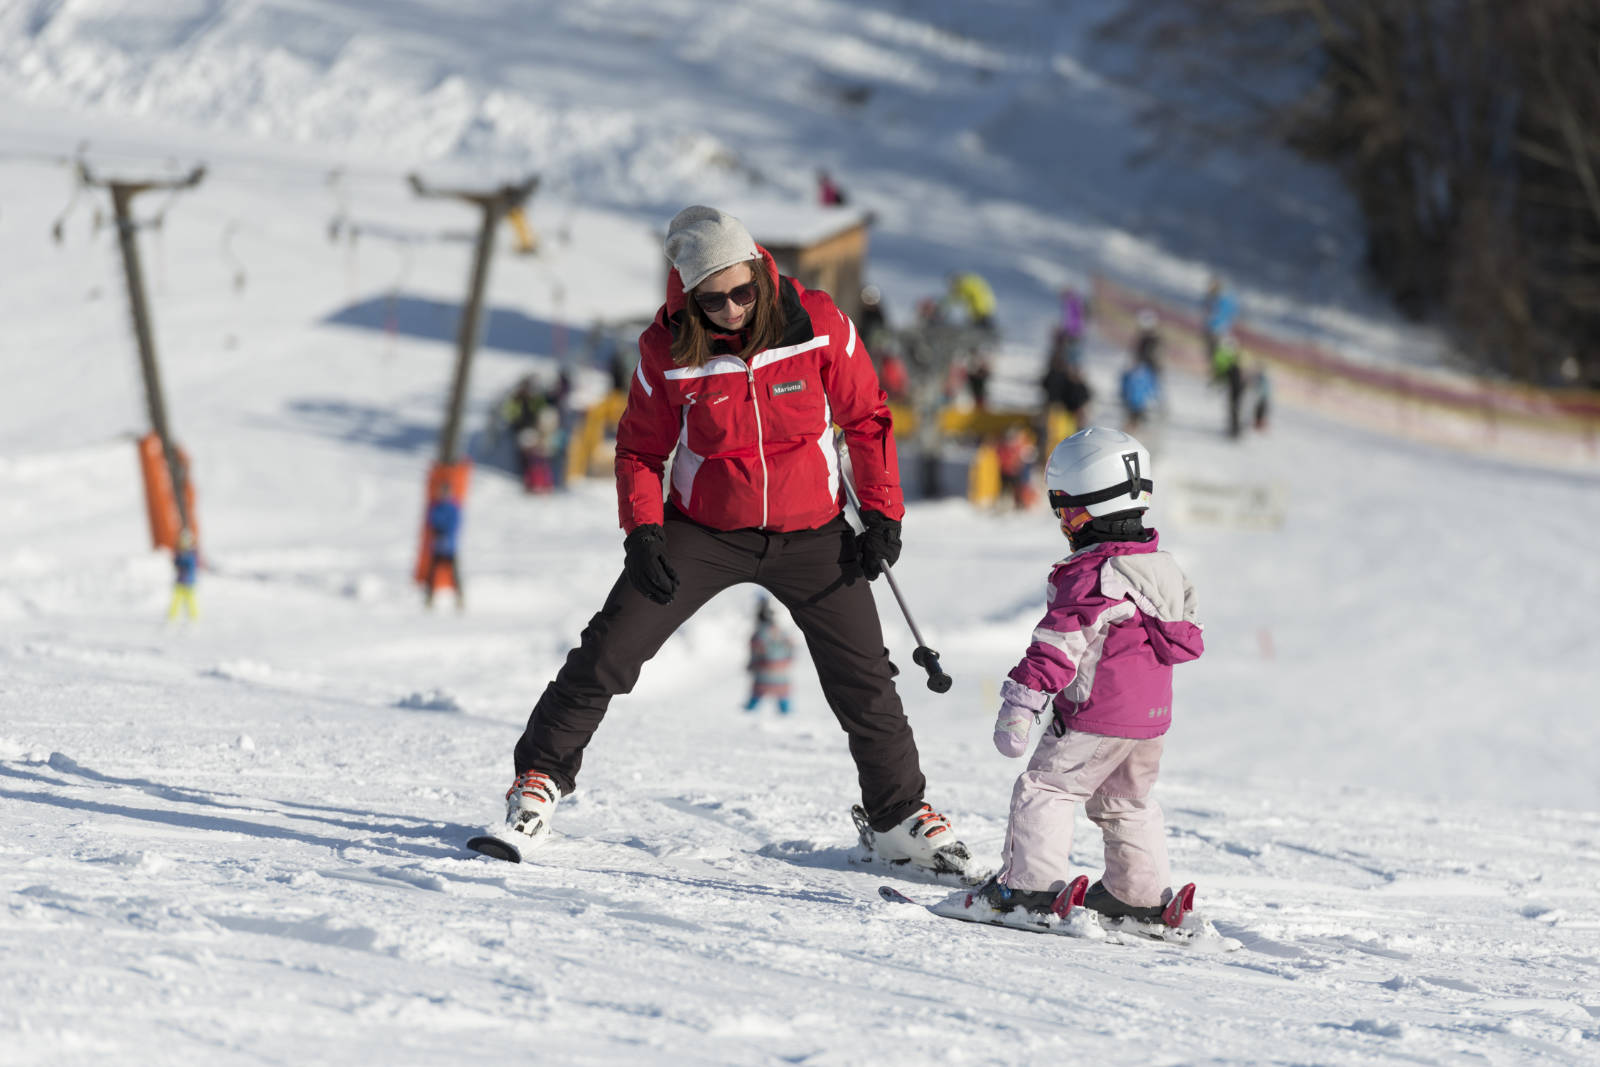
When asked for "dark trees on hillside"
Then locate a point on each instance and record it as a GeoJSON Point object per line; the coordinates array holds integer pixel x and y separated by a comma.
{"type": "Point", "coordinates": [1468, 132]}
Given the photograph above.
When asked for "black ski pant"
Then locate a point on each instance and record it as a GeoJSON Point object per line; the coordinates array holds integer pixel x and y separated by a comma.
{"type": "Point", "coordinates": [816, 575]}
{"type": "Point", "coordinates": [1235, 399]}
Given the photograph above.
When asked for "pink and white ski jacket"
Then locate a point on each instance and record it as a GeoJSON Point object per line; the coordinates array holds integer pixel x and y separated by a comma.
{"type": "Point", "coordinates": [1120, 614]}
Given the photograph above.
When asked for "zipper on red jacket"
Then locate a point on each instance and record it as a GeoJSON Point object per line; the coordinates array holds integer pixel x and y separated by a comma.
{"type": "Point", "coordinates": [761, 448]}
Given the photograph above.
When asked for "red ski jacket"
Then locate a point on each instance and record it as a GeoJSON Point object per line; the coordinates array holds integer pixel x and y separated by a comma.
{"type": "Point", "coordinates": [754, 440]}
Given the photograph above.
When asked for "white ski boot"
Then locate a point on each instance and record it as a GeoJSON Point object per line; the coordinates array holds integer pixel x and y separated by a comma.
{"type": "Point", "coordinates": [529, 803]}
{"type": "Point", "coordinates": [924, 840]}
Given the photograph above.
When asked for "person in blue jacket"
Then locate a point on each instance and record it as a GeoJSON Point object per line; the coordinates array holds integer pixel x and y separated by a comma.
{"type": "Point", "coordinates": [1140, 389]}
{"type": "Point", "coordinates": [444, 523]}
{"type": "Point", "coordinates": [186, 565]}
{"type": "Point", "coordinates": [1220, 309]}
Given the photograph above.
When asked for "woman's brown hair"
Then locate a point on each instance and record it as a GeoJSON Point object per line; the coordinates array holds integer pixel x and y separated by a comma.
{"type": "Point", "coordinates": [764, 329]}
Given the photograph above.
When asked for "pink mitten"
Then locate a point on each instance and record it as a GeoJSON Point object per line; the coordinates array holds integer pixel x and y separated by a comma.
{"type": "Point", "coordinates": [1017, 716]}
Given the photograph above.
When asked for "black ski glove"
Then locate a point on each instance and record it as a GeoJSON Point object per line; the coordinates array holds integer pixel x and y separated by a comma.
{"type": "Point", "coordinates": [646, 566]}
{"type": "Point", "coordinates": [878, 545]}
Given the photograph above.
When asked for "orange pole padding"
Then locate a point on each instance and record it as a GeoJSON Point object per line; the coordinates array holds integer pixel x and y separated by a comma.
{"type": "Point", "coordinates": [160, 504]}
{"type": "Point", "coordinates": [457, 476]}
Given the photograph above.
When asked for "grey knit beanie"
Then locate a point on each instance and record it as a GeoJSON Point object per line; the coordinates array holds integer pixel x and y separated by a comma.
{"type": "Point", "coordinates": [703, 240]}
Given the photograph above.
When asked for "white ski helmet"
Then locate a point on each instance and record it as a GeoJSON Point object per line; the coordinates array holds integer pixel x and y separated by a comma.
{"type": "Point", "coordinates": [1100, 470]}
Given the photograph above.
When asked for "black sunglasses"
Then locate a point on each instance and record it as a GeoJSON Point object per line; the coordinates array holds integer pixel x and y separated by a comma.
{"type": "Point", "coordinates": [743, 295]}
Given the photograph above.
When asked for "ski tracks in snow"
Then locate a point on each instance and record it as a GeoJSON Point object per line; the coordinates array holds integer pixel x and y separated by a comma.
{"type": "Point", "coordinates": [1351, 920]}
{"type": "Point", "coordinates": [179, 841]}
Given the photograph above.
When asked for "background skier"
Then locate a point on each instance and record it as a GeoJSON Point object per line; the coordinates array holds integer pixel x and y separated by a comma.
{"type": "Point", "coordinates": [444, 526]}
{"type": "Point", "coordinates": [828, 192]}
{"type": "Point", "coordinates": [970, 297]}
{"type": "Point", "coordinates": [1218, 310]}
{"type": "Point", "coordinates": [186, 567]}
{"type": "Point", "coordinates": [1016, 455]}
{"type": "Point", "coordinates": [1227, 370]}
{"type": "Point", "coordinates": [1064, 387]}
{"type": "Point", "coordinates": [1261, 387]}
{"type": "Point", "coordinates": [771, 653]}
{"type": "Point", "coordinates": [1139, 389]}
{"type": "Point", "coordinates": [1068, 336]}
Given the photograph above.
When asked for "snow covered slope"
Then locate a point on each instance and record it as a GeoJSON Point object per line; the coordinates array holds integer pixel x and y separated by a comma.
{"type": "Point", "coordinates": [239, 841]}
{"type": "Point", "coordinates": [981, 135]}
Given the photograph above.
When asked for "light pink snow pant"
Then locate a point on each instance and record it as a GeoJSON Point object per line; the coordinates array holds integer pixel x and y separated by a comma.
{"type": "Point", "coordinates": [1112, 778]}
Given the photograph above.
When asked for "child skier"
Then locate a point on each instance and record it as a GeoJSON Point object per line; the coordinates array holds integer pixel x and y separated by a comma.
{"type": "Point", "coordinates": [1120, 614]}
{"type": "Point", "coordinates": [185, 565]}
{"type": "Point", "coordinates": [444, 523]}
{"type": "Point", "coordinates": [771, 652]}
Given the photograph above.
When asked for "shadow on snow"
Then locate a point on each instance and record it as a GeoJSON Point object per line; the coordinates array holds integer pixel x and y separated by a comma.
{"type": "Point", "coordinates": [409, 838]}
{"type": "Point", "coordinates": [422, 317]}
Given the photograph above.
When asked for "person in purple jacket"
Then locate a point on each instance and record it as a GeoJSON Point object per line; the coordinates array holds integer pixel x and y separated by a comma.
{"type": "Point", "coordinates": [1121, 613]}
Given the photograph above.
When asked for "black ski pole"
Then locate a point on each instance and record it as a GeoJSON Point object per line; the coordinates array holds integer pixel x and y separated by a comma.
{"type": "Point", "coordinates": [922, 656]}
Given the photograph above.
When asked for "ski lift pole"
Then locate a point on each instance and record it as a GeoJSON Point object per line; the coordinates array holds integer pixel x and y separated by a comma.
{"type": "Point", "coordinates": [494, 206]}
{"type": "Point", "coordinates": [922, 655]}
{"type": "Point", "coordinates": [450, 473]}
{"type": "Point", "coordinates": [122, 194]}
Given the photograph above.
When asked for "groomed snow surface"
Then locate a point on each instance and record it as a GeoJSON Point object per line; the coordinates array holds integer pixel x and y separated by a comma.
{"type": "Point", "coordinates": [239, 840]}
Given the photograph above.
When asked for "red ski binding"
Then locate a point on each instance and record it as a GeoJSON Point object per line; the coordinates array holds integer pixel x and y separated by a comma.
{"type": "Point", "coordinates": [1182, 903]}
{"type": "Point", "coordinates": [1072, 896]}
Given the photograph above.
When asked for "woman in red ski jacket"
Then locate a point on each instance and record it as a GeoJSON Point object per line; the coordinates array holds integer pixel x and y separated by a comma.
{"type": "Point", "coordinates": [741, 379]}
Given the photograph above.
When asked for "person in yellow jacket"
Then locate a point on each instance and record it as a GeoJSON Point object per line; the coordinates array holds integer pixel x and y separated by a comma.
{"type": "Point", "coordinates": [971, 295]}
{"type": "Point", "coordinates": [1227, 369]}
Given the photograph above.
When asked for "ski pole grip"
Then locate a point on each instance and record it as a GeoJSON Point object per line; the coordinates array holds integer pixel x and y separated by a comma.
{"type": "Point", "coordinates": [928, 660]}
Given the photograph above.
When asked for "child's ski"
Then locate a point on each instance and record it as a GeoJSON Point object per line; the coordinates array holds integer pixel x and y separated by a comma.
{"type": "Point", "coordinates": [1066, 916]}
{"type": "Point", "coordinates": [1179, 924]}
